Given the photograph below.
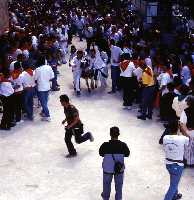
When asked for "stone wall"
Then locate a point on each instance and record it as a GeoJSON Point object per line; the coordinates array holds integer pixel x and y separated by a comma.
{"type": "Point", "coordinates": [4, 16]}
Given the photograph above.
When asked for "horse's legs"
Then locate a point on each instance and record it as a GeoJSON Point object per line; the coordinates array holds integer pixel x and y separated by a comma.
{"type": "Point", "coordinates": [92, 83]}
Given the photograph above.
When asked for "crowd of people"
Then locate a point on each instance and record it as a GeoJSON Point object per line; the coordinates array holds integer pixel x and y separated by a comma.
{"type": "Point", "coordinates": [148, 72]}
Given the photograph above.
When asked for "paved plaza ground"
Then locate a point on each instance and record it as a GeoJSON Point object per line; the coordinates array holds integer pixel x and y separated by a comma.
{"type": "Point", "coordinates": [33, 166]}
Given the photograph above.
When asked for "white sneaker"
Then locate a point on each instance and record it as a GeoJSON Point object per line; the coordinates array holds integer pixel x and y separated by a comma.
{"type": "Point", "coordinates": [46, 119]}
{"type": "Point", "coordinates": [20, 122]}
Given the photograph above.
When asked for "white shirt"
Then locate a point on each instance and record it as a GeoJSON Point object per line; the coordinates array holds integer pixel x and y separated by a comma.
{"type": "Point", "coordinates": [129, 71]}
{"type": "Point", "coordinates": [6, 89]}
{"type": "Point", "coordinates": [75, 64]}
{"type": "Point", "coordinates": [97, 63]}
{"type": "Point", "coordinates": [179, 106]}
{"type": "Point", "coordinates": [164, 79]}
{"type": "Point", "coordinates": [115, 55]}
{"type": "Point", "coordinates": [138, 73]}
{"type": "Point", "coordinates": [11, 66]}
{"type": "Point", "coordinates": [28, 80]}
{"type": "Point", "coordinates": [17, 83]}
{"type": "Point", "coordinates": [43, 75]}
{"type": "Point", "coordinates": [174, 146]}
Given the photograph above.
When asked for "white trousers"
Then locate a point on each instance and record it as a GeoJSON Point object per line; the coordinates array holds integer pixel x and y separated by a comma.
{"type": "Point", "coordinates": [76, 80]}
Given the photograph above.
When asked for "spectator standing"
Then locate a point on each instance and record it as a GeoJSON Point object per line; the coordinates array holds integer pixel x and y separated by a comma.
{"type": "Point", "coordinates": [113, 152]}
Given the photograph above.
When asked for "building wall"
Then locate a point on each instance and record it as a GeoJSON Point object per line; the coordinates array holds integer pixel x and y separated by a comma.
{"type": "Point", "coordinates": [4, 16]}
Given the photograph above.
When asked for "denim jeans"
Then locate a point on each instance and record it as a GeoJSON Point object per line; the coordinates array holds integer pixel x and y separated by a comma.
{"type": "Point", "coordinates": [115, 76]}
{"type": "Point", "coordinates": [175, 172]}
{"type": "Point", "coordinates": [43, 98]}
{"type": "Point", "coordinates": [28, 102]}
{"type": "Point", "coordinates": [107, 179]}
{"type": "Point", "coordinates": [147, 100]}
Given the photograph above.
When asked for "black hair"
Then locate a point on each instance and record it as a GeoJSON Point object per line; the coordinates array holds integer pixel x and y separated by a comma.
{"type": "Point", "coordinates": [64, 98]}
{"type": "Point", "coordinates": [170, 86]}
{"type": "Point", "coordinates": [17, 65]}
{"type": "Point", "coordinates": [41, 61]}
{"type": "Point", "coordinates": [173, 126]}
{"type": "Point", "coordinates": [114, 132]}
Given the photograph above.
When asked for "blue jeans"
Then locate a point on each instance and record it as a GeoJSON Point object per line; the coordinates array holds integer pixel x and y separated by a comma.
{"type": "Point", "coordinates": [115, 76]}
{"type": "Point", "coordinates": [28, 102]}
{"type": "Point", "coordinates": [175, 172]}
{"type": "Point", "coordinates": [107, 179]}
{"type": "Point", "coordinates": [43, 98]}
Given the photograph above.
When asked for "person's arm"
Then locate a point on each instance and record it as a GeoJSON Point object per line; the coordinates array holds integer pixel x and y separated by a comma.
{"type": "Point", "coordinates": [102, 150]}
{"type": "Point", "coordinates": [64, 121]}
{"type": "Point", "coordinates": [126, 150]}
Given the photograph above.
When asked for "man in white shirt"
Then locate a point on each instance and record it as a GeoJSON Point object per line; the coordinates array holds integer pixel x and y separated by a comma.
{"type": "Point", "coordinates": [76, 69]}
{"type": "Point", "coordinates": [127, 68]}
{"type": "Point", "coordinates": [28, 80]}
{"type": "Point", "coordinates": [116, 52]}
{"type": "Point", "coordinates": [16, 79]}
{"type": "Point", "coordinates": [6, 95]}
{"type": "Point", "coordinates": [43, 75]}
{"type": "Point", "coordinates": [174, 146]}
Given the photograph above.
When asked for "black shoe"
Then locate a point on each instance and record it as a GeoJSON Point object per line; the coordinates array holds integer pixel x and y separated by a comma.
{"type": "Point", "coordinates": [12, 124]}
{"type": "Point", "coordinates": [71, 155]}
{"type": "Point", "coordinates": [5, 128]}
{"type": "Point", "coordinates": [56, 89]}
{"type": "Point", "coordinates": [141, 117]}
{"type": "Point", "coordinates": [91, 137]}
{"type": "Point", "coordinates": [89, 90]}
{"type": "Point", "coordinates": [149, 117]}
{"type": "Point", "coordinates": [78, 93]}
{"type": "Point", "coordinates": [111, 92]}
{"type": "Point", "coordinates": [178, 196]}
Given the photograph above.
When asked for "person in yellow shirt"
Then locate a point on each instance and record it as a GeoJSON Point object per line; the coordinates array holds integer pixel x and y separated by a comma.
{"type": "Point", "coordinates": [148, 92]}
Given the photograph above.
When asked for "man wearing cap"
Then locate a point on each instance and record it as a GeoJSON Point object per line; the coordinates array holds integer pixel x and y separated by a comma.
{"type": "Point", "coordinates": [113, 152]}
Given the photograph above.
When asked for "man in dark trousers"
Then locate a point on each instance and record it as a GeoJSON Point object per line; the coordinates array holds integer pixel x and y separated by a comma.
{"type": "Point", "coordinates": [113, 152]}
{"type": "Point", "coordinates": [74, 126]}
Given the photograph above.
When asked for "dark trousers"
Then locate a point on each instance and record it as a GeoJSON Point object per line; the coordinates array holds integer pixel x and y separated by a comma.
{"type": "Point", "coordinates": [7, 111]}
{"type": "Point", "coordinates": [54, 80]}
{"type": "Point", "coordinates": [148, 100]}
{"type": "Point", "coordinates": [79, 138]}
{"type": "Point", "coordinates": [18, 106]}
{"type": "Point", "coordinates": [128, 90]}
{"type": "Point", "coordinates": [115, 76]}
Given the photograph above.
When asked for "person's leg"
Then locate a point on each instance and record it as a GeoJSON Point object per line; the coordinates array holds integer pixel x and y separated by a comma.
{"type": "Point", "coordinates": [76, 77]}
{"type": "Point", "coordinates": [54, 80]}
{"type": "Point", "coordinates": [18, 107]}
{"type": "Point", "coordinates": [107, 179]}
{"type": "Point", "coordinates": [43, 97]}
{"type": "Point", "coordinates": [144, 102]}
{"type": "Point", "coordinates": [118, 186]}
{"type": "Point", "coordinates": [151, 101]}
{"type": "Point", "coordinates": [79, 136]}
{"type": "Point", "coordinates": [114, 78]}
{"type": "Point", "coordinates": [175, 172]}
{"type": "Point", "coordinates": [4, 119]}
{"type": "Point", "coordinates": [118, 78]}
{"type": "Point", "coordinates": [68, 137]}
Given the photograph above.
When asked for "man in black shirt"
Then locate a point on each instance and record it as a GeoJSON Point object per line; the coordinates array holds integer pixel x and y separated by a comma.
{"type": "Point", "coordinates": [74, 126]}
{"type": "Point", "coordinates": [113, 152]}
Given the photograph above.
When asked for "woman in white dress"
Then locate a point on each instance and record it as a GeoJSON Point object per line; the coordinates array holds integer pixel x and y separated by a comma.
{"type": "Point", "coordinates": [187, 126]}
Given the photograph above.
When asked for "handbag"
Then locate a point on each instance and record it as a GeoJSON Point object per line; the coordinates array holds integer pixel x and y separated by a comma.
{"type": "Point", "coordinates": [118, 166]}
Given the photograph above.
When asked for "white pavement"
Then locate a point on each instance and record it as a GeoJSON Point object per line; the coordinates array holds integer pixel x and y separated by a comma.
{"type": "Point", "coordinates": [33, 167]}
